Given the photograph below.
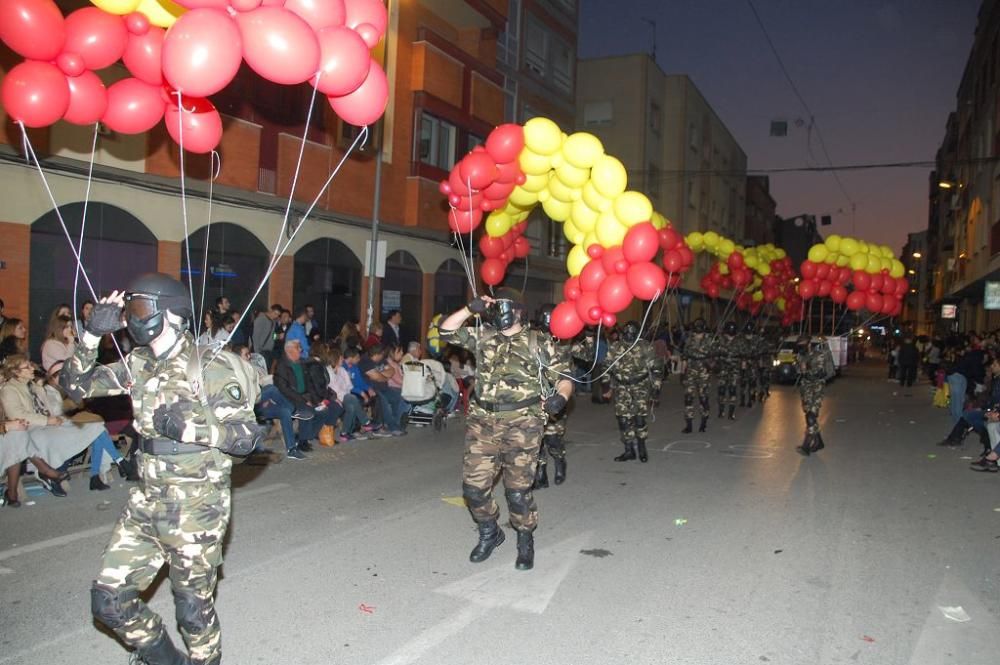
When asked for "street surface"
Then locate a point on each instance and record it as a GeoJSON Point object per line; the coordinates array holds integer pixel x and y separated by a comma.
{"type": "Point", "coordinates": [726, 548]}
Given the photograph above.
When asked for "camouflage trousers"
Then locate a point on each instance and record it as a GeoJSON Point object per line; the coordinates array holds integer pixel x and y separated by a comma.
{"type": "Point", "coordinates": [764, 378]}
{"type": "Point", "coordinates": [177, 516]}
{"type": "Point", "coordinates": [632, 403]}
{"type": "Point", "coordinates": [728, 380]}
{"type": "Point", "coordinates": [697, 381]}
{"type": "Point", "coordinates": [552, 437]}
{"type": "Point", "coordinates": [812, 398]}
{"type": "Point", "coordinates": [502, 444]}
{"type": "Point", "coordinates": [748, 383]}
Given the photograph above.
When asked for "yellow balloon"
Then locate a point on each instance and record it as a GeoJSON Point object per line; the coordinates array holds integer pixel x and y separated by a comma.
{"type": "Point", "coordinates": [583, 216]}
{"type": "Point", "coordinates": [572, 176]}
{"type": "Point", "coordinates": [556, 209]}
{"type": "Point", "coordinates": [534, 164]}
{"type": "Point", "coordinates": [557, 160]}
{"type": "Point", "coordinates": [764, 269]}
{"type": "Point", "coordinates": [609, 176]}
{"type": "Point", "coordinates": [498, 224]}
{"type": "Point", "coordinates": [758, 296]}
{"type": "Point", "coordinates": [544, 195]}
{"type": "Point", "coordinates": [781, 304]}
{"type": "Point", "coordinates": [751, 261]}
{"type": "Point", "coordinates": [843, 261]}
{"type": "Point", "coordinates": [832, 257]}
{"type": "Point", "coordinates": [514, 210]}
{"type": "Point", "coordinates": [779, 253]}
{"type": "Point", "coordinates": [897, 270]}
{"type": "Point", "coordinates": [874, 264]}
{"type": "Point", "coordinates": [524, 199]}
{"type": "Point", "coordinates": [560, 191]}
{"type": "Point", "coordinates": [117, 6]}
{"type": "Point", "coordinates": [582, 149]}
{"type": "Point", "coordinates": [542, 136]}
{"type": "Point", "coordinates": [833, 243]}
{"type": "Point", "coordinates": [162, 13]}
{"type": "Point", "coordinates": [576, 260]}
{"type": "Point", "coordinates": [726, 247]}
{"type": "Point", "coordinates": [610, 231]}
{"type": "Point", "coordinates": [595, 199]}
{"type": "Point", "coordinates": [818, 253]}
{"type": "Point", "coordinates": [590, 239]}
{"type": "Point", "coordinates": [859, 261]}
{"type": "Point", "coordinates": [572, 233]}
{"type": "Point", "coordinates": [535, 183]}
{"type": "Point", "coordinates": [632, 208]}
{"type": "Point", "coordinates": [723, 268]}
{"type": "Point", "coordinates": [863, 247]}
{"type": "Point", "coordinates": [887, 251]}
{"type": "Point", "coordinates": [886, 263]}
{"type": "Point", "coordinates": [848, 246]}
{"type": "Point", "coordinates": [711, 239]}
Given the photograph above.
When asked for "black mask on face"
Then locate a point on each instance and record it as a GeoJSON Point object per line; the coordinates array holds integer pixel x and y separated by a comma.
{"type": "Point", "coordinates": [505, 314]}
{"type": "Point", "coordinates": [143, 319]}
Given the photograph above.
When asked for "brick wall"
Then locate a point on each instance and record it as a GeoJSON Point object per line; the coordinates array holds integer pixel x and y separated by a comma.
{"type": "Point", "coordinates": [15, 252]}
{"type": "Point", "coordinates": [282, 282]}
{"type": "Point", "coordinates": [168, 258]}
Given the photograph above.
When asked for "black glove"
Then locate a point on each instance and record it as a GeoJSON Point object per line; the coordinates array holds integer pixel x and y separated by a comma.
{"type": "Point", "coordinates": [554, 405]}
{"type": "Point", "coordinates": [105, 318]}
{"type": "Point", "coordinates": [245, 445]}
{"type": "Point", "coordinates": [169, 420]}
{"type": "Point", "coordinates": [478, 306]}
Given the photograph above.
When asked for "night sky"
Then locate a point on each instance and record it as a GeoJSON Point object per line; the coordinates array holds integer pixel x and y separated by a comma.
{"type": "Point", "coordinates": [879, 76]}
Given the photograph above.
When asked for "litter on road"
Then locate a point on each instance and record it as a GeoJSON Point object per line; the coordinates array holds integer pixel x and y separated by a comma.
{"type": "Point", "coordinates": [957, 614]}
{"type": "Point", "coordinates": [680, 521]}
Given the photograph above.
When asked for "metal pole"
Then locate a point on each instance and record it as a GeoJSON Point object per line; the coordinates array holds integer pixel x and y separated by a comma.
{"type": "Point", "coordinates": [373, 252]}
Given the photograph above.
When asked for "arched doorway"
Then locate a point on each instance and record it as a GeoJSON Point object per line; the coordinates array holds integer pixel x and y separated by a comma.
{"type": "Point", "coordinates": [237, 262]}
{"type": "Point", "coordinates": [450, 286]}
{"type": "Point", "coordinates": [328, 277]}
{"type": "Point", "coordinates": [116, 248]}
{"type": "Point", "coordinates": [402, 289]}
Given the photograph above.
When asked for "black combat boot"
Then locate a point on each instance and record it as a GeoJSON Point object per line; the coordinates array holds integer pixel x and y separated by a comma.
{"type": "Point", "coordinates": [628, 455]}
{"type": "Point", "coordinates": [806, 446]}
{"type": "Point", "coordinates": [643, 455]}
{"type": "Point", "coordinates": [525, 550]}
{"type": "Point", "coordinates": [541, 477]}
{"type": "Point", "coordinates": [161, 652]}
{"type": "Point", "coordinates": [704, 424]}
{"type": "Point", "coordinates": [818, 442]}
{"type": "Point", "coordinates": [560, 470]}
{"type": "Point", "coordinates": [127, 469]}
{"type": "Point", "coordinates": [732, 412]}
{"type": "Point", "coordinates": [687, 426]}
{"type": "Point", "coordinates": [490, 537]}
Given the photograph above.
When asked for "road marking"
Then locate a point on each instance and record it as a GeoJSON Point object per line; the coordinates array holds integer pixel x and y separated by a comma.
{"type": "Point", "coordinates": [669, 448]}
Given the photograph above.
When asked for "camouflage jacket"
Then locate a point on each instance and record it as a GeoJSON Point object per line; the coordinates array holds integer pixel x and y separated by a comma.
{"type": "Point", "coordinates": [812, 364]}
{"type": "Point", "coordinates": [698, 350]}
{"type": "Point", "coordinates": [512, 370]}
{"type": "Point", "coordinates": [727, 350]}
{"type": "Point", "coordinates": [632, 365]}
{"type": "Point", "coordinates": [223, 420]}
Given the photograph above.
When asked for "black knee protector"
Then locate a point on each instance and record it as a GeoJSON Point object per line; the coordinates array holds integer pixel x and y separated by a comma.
{"type": "Point", "coordinates": [113, 607]}
{"type": "Point", "coordinates": [623, 423]}
{"type": "Point", "coordinates": [520, 502]}
{"type": "Point", "coordinates": [811, 418]}
{"type": "Point", "coordinates": [639, 421]}
{"type": "Point", "coordinates": [688, 399]}
{"type": "Point", "coordinates": [192, 612]}
{"type": "Point", "coordinates": [474, 497]}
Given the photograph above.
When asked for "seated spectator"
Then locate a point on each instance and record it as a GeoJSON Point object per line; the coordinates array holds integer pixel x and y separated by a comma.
{"type": "Point", "coordinates": [974, 418]}
{"type": "Point", "coordinates": [354, 424]}
{"type": "Point", "coordinates": [210, 326]}
{"type": "Point", "coordinates": [446, 383]}
{"type": "Point", "coordinates": [988, 461]}
{"type": "Point", "coordinates": [85, 311]}
{"type": "Point", "coordinates": [363, 391]}
{"type": "Point", "coordinates": [15, 447]}
{"type": "Point", "coordinates": [53, 437]}
{"type": "Point", "coordinates": [374, 335]}
{"type": "Point", "coordinates": [394, 359]}
{"type": "Point", "coordinates": [13, 338]}
{"type": "Point", "coordinates": [60, 340]}
{"type": "Point", "coordinates": [377, 373]}
{"type": "Point", "coordinates": [272, 405]}
{"type": "Point", "coordinates": [297, 384]}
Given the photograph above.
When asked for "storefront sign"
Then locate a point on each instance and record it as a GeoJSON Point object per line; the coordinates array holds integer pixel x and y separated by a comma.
{"type": "Point", "coordinates": [390, 300]}
{"type": "Point", "coordinates": [991, 296]}
{"type": "Point", "coordinates": [949, 311]}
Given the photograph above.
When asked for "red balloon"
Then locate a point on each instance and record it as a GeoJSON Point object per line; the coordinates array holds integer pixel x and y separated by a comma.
{"type": "Point", "coordinates": [825, 287]}
{"type": "Point", "coordinates": [641, 243]}
{"type": "Point", "coordinates": [844, 276]}
{"type": "Point", "coordinates": [876, 282]}
{"type": "Point", "coordinates": [861, 280]}
{"type": "Point", "coordinates": [508, 240]}
{"type": "Point", "coordinates": [499, 191]}
{"type": "Point", "coordinates": [592, 276]}
{"type": "Point", "coordinates": [608, 320]}
{"type": "Point", "coordinates": [492, 271]}
{"type": "Point", "coordinates": [490, 247]}
{"type": "Point", "coordinates": [202, 128]}
{"type": "Point", "coordinates": [888, 305]}
{"type": "Point", "coordinates": [88, 99]}
{"type": "Point", "coordinates": [70, 64]}
{"type": "Point", "coordinates": [371, 12]}
{"type": "Point", "coordinates": [822, 271]}
{"type": "Point", "coordinates": [669, 239]}
{"type": "Point", "coordinates": [510, 172]}
{"type": "Point", "coordinates": [34, 29]}
{"type": "Point", "coordinates": [133, 106]}
{"type": "Point", "coordinates": [136, 23]}
{"type": "Point", "coordinates": [770, 294]}
{"type": "Point", "coordinates": [198, 4]}
{"type": "Point", "coordinates": [466, 202]}
{"type": "Point", "coordinates": [838, 294]}
{"type": "Point", "coordinates": [464, 221]}
{"type": "Point", "coordinates": [687, 256]}
{"type": "Point", "coordinates": [477, 168]}
{"type": "Point", "coordinates": [646, 280]}
{"type": "Point", "coordinates": [571, 289]}
{"type": "Point", "coordinates": [319, 14]}
{"type": "Point", "coordinates": [712, 290]}
{"type": "Point", "coordinates": [902, 286]}
{"type": "Point", "coordinates": [505, 143]}
{"type": "Point", "coordinates": [444, 188]}
{"type": "Point", "coordinates": [366, 104]}
{"type": "Point", "coordinates": [344, 61]}
{"type": "Point", "coordinates": [96, 36]}
{"type": "Point", "coordinates": [279, 45]}
{"type": "Point", "coordinates": [35, 93]}
{"type": "Point", "coordinates": [455, 183]}
{"type": "Point", "coordinates": [614, 294]}
{"type": "Point", "coordinates": [565, 323]}
{"type": "Point", "coordinates": [735, 261]}
{"type": "Point", "coordinates": [873, 302]}
{"type": "Point", "coordinates": [807, 289]}
{"type": "Point", "coordinates": [742, 278]}
{"type": "Point", "coordinates": [808, 269]}
{"type": "Point", "coordinates": [202, 51]}
{"type": "Point", "coordinates": [586, 305]}
{"type": "Point", "coordinates": [595, 251]}
{"type": "Point", "coordinates": [673, 261]}
{"type": "Point", "coordinates": [673, 281]}
{"type": "Point", "coordinates": [611, 257]}
{"type": "Point", "coordinates": [143, 55]}
{"type": "Point", "coordinates": [522, 247]}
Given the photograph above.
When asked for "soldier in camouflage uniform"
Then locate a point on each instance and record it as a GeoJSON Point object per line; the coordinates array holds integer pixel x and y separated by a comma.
{"type": "Point", "coordinates": [516, 371]}
{"type": "Point", "coordinates": [555, 425]}
{"type": "Point", "coordinates": [765, 365]}
{"type": "Point", "coordinates": [189, 414]}
{"type": "Point", "coordinates": [727, 356]}
{"type": "Point", "coordinates": [748, 366]}
{"type": "Point", "coordinates": [814, 361]}
{"type": "Point", "coordinates": [697, 377]}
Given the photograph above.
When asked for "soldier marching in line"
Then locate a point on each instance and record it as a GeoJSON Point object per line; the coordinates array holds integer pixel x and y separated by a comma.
{"type": "Point", "coordinates": [697, 377]}
{"type": "Point", "coordinates": [814, 365]}
{"type": "Point", "coordinates": [188, 419]}
{"type": "Point", "coordinates": [748, 366]}
{"type": "Point", "coordinates": [765, 365]}
{"type": "Point", "coordinates": [727, 355]}
{"type": "Point", "coordinates": [555, 426]}
{"type": "Point", "coordinates": [520, 381]}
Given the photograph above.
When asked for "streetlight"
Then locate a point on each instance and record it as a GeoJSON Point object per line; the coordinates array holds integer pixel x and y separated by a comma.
{"type": "Point", "coordinates": [912, 271]}
{"type": "Point", "coordinates": [946, 184]}
{"type": "Point", "coordinates": [917, 255]}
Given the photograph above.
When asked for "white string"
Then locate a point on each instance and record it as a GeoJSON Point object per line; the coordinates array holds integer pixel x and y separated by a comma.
{"type": "Point", "coordinates": [208, 236]}
{"type": "Point", "coordinates": [30, 151]}
{"type": "Point", "coordinates": [83, 225]}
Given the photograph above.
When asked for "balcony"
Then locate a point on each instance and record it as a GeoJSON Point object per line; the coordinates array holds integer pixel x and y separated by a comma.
{"type": "Point", "coordinates": [466, 14]}
{"type": "Point", "coordinates": [995, 239]}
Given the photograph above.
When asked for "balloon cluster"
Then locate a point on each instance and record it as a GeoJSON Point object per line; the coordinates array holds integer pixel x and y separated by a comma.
{"type": "Point", "coordinates": [175, 70]}
{"type": "Point", "coordinates": [498, 252]}
{"type": "Point", "coordinates": [873, 272]}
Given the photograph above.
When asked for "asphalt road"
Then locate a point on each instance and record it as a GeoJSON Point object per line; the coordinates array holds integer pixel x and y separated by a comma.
{"type": "Point", "coordinates": [726, 548]}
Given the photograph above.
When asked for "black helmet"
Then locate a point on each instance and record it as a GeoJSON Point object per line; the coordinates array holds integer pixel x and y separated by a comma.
{"type": "Point", "coordinates": [545, 315]}
{"type": "Point", "coordinates": [508, 309]}
{"type": "Point", "coordinates": [698, 326]}
{"type": "Point", "coordinates": [748, 328]}
{"type": "Point", "coordinates": [630, 331]}
{"type": "Point", "coordinates": [147, 297]}
{"type": "Point", "coordinates": [730, 328]}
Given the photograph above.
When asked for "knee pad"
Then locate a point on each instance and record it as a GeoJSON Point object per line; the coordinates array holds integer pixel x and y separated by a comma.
{"type": "Point", "coordinates": [623, 423]}
{"type": "Point", "coordinates": [475, 497]}
{"type": "Point", "coordinates": [519, 502]}
{"type": "Point", "coordinates": [811, 418]}
{"type": "Point", "coordinates": [113, 607]}
{"type": "Point", "coordinates": [639, 421]}
{"type": "Point", "coordinates": [192, 612]}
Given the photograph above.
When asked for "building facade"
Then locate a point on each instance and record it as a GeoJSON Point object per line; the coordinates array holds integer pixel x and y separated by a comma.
{"type": "Point", "coordinates": [761, 211]}
{"type": "Point", "coordinates": [915, 258]}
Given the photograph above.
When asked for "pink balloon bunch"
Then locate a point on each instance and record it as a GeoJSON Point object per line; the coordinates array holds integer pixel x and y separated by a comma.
{"type": "Point", "coordinates": [484, 179]}
{"type": "Point", "coordinates": [500, 251]}
{"type": "Point", "coordinates": [879, 293]}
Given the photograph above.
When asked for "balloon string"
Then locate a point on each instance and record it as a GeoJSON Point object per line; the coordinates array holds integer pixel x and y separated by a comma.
{"type": "Point", "coordinates": [83, 226]}
{"type": "Point", "coordinates": [469, 275]}
{"type": "Point", "coordinates": [208, 237]}
{"type": "Point", "coordinates": [30, 151]}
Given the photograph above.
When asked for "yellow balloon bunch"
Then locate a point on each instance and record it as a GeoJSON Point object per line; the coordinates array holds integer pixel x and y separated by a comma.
{"type": "Point", "coordinates": [159, 12]}
{"type": "Point", "coordinates": [577, 184]}
{"type": "Point", "coordinates": [759, 258]}
{"type": "Point", "coordinates": [843, 251]}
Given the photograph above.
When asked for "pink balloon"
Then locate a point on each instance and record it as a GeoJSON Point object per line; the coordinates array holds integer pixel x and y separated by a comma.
{"type": "Point", "coordinates": [478, 169]}
{"type": "Point", "coordinates": [70, 64]}
{"type": "Point", "coordinates": [368, 34]}
{"type": "Point", "coordinates": [372, 12]}
{"type": "Point", "coordinates": [35, 93]}
{"type": "Point", "coordinates": [133, 106]}
{"type": "Point", "coordinates": [202, 4]}
{"type": "Point", "coordinates": [88, 99]}
{"type": "Point", "coordinates": [571, 288]}
{"type": "Point", "coordinates": [366, 104]}
{"type": "Point", "coordinates": [137, 23]}
{"type": "Point", "coordinates": [505, 143]}
{"type": "Point", "coordinates": [202, 128]}
{"type": "Point", "coordinates": [202, 52]}
{"type": "Point", "coordinates": [34, 29]}
{"type": "Point", "coordinates": [565, 322]}
{"type": "Point", "coordinates": [279, 45]}
{"type": "Point", "coordinates": [614, 294]}
{"type": "Point", "coordinates": [641, 243]}
{"type": "Point", "coordinates": [646, 281]}
{"type": "Point", "coordinates": [319, 14]}
{"type": "Point", "coordinates": [344, 61]}
{"type": "Point", "coordinates": [143, 55]}
{"type": "Point", "coordinates": [97, 36]}
{"type": "Point", "coordinates": [246, 5]}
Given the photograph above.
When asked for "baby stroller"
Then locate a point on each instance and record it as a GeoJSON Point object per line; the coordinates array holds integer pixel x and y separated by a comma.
{"type": "Point", "coordinates": [422, 391]}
